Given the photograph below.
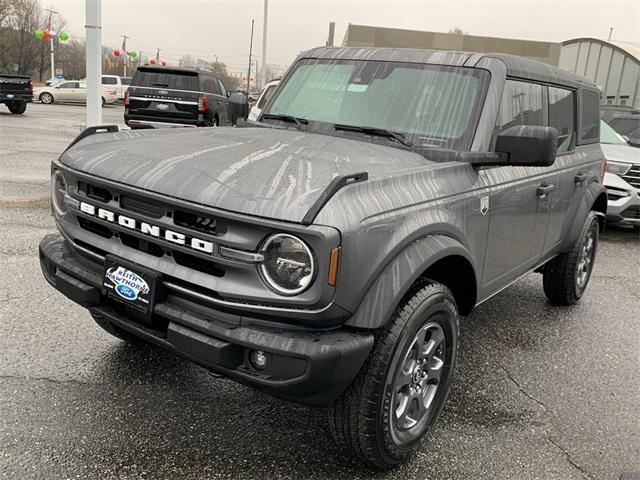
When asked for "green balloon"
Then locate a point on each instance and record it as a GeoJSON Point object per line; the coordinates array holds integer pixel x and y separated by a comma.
{"type": "Point", "coordinates": [64, 36]}
{"type": "Point", "coordinates": [39, 34]}
{"type": "Point", "coordinates": [133, 54]}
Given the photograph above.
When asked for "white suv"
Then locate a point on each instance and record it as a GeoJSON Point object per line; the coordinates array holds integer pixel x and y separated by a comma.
{"type": "Point", "coordinates": [622, 179]}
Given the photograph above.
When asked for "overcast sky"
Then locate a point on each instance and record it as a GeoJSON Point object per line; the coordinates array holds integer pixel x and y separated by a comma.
{"type": "Point", "coordinates": [206, 28]}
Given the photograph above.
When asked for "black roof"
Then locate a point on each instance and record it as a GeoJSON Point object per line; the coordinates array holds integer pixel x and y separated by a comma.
{"type": "Point", "coordinates": [516, 66]}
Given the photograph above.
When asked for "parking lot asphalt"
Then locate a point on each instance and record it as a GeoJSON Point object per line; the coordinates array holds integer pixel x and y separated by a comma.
{"type": "Point", "coordinates": [540, 392]}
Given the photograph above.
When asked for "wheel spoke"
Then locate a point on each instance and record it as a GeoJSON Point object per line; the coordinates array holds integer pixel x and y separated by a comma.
{"type": "Point", "coordinates": [435, 370]}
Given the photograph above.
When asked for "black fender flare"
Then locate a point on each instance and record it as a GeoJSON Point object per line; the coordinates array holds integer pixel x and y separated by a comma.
{"type": "Point", "coordinates": [385, 294]}
{"type": "Point", "coordinates": [594, 198]}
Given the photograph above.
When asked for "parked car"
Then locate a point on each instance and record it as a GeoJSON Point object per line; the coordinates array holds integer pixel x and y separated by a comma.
{"type": "Point", "coordinates": [176, 97]}
{"type": "Point", "coordinates": [263, 99]}
{"type": "Point", "coordinates": [622, 179]}
{"type": "Point", "coordinates": [325, 253]}
{"type": "Point", "coordinates": [71, 91]}
{"type": "Point", "coordinates": [624, 120]}
{"type": "Point", "coordinates": [117, 83]}
{"type": "Point", "coordinates": [15, 92]}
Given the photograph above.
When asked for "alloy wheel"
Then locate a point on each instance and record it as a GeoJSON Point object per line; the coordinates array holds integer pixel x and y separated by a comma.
{"type": "Point", "coordinates": [418, 378]}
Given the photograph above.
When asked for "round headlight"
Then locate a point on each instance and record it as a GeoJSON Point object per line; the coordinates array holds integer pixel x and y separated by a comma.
{"type": "Point", "coordinates": [58, 191]}
{"type": "Point", "coordinates": [288, 266]}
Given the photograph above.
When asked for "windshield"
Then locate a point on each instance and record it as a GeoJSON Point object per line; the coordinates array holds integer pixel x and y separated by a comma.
{"type": "Point", "coordinates": [609, 135]}
{"type": "Point", "coordinates": [431, 105]}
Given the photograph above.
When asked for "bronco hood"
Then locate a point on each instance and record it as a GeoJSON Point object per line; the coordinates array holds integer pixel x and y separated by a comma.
{"type": "Point", "coordinates": [267, 172]}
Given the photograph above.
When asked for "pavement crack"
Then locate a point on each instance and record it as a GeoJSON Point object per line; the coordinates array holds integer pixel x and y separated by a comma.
{"type": "Point", "coordinates": [514, 381]}
{"type": "Point", "coordinates": [572, 462]}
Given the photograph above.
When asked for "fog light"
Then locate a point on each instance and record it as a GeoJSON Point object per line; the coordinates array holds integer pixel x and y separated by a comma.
{"type": "Point", "coordinates": [258, 359]}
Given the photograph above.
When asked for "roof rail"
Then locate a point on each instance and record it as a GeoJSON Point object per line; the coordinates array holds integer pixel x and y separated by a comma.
{"type": "Point", "coordinates": [87, 132]}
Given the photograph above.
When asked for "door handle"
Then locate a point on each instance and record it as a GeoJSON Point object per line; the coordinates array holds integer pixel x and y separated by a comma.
{"type": "Point", "coordinates": [580, 177]}
{"type": "Point", "coordinates": [543, 189]}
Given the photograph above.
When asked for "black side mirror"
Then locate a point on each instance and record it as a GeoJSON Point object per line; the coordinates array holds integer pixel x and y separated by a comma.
{"type": "Point", "coordinates": [528, 146]}
{"type": "Point", "coordinates": [238, 107]}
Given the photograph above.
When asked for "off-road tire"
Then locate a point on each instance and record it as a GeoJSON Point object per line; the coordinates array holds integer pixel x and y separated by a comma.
{"type": "Point", "coordinates": [115, 330]}
{"type": "Point", "coordinates": [46, 98]}
{"type": "Point", "coordinates": [360, 420]}
{"type": "Point", "coordinates": [17, 108]}
{"type": "Point", "coordinates": [560, 275]}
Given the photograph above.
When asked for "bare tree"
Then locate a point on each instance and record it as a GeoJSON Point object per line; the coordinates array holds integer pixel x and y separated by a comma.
{"type": "Point", "coordinates": [25, 18]}
{"type": "Point", "coordinates": [458, 31]}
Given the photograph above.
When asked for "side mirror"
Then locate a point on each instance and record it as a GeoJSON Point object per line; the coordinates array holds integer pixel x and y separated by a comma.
{"type": "Point", "coordinates": [238, 107]}
{"type": "Point", "coordinates": [528, 146]}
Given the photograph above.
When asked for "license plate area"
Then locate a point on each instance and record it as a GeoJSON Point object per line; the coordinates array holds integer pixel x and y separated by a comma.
{"type": "Point", "coordinates": [130, 284]}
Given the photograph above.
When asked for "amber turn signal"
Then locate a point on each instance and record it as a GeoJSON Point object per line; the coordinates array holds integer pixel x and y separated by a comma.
{"type": "Point", "coordinates": [334, 263]}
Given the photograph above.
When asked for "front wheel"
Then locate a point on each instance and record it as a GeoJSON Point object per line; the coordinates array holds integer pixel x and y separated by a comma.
{"type": "Point", "coordinates": [396, 398]}
{"type": "Point", "coordinates": [17, 107]}
{"type": "Point", "coordinates": [565, 278]}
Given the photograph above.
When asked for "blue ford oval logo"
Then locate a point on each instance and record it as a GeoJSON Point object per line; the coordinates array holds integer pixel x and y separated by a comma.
{"type": "Point", "coordinates": [126, 292]}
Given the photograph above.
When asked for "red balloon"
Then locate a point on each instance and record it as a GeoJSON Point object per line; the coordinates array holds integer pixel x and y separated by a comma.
{"type": "Point", "coordinates": [163, 63]}
{"type": "Point", "coordinates": [152, 61]}
{"type": "Point", "coordinates": [45, 35]}
{"type": "Point", "coordinates": [116, 52]}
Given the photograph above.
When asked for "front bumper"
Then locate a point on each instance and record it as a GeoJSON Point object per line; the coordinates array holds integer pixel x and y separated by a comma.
{"type": "Point", "coordinates": [308, 366]}
{"type": "Point", "coordinates": [623, 207]}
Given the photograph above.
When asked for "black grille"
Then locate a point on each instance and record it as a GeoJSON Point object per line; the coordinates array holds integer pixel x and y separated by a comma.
{"type": "Point", "coordinates": [198, 264]}
{"type": "Point", "coordinates": [96, 193]}
{"type": "Point", "coordinates": [631, 212]}
{"type": "Point", "coordinates": [95, 228]}
{"type": "Point", "coordinates": [141, 206]}
{"type": "Point", "coordinates": [198, 223]}
{"type": "Point", "coordinates": [141, 244]}
{"type": "Point", "coordinates": [632, 177]}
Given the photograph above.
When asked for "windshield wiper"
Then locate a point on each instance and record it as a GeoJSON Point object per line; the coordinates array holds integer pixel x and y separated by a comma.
{"type": "Point", "coordinates": [299, 121]}
{"type": "Point", "coordinates": [378, 132]}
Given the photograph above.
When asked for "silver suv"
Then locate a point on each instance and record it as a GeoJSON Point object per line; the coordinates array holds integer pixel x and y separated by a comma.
{"type": "Point", "coordinates": [622, 179]}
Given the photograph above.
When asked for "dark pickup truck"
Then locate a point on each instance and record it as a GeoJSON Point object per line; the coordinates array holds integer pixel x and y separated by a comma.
{"type": "Point", "coordinates": [15, 92]}
{"type": "Point", "coordinates": [325, 253]}
{"type": "Point", "coordinates": [175, 97]}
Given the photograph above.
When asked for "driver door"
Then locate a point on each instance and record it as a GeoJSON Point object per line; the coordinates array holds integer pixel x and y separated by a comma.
{"type": "Point", "coordinates": [520, 198]}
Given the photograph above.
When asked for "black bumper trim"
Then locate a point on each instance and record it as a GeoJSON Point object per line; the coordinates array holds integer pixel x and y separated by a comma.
{"type": "Point", "coordinates": [308, 366]}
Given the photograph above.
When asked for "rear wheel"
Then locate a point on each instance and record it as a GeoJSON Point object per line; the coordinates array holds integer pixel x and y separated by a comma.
{"type": "Point", "coordinates": [104, 102]}
{"type": "Point", "coordinates": [46, 98]}
{"type": "Point", "coordinates": [385, 413]}
{"type": "Point", "coordinates": [116, 331]}
{"type": "Point", "coordinates": [17, 107]}
{"type": "Point", "coordinates": [565, 278]}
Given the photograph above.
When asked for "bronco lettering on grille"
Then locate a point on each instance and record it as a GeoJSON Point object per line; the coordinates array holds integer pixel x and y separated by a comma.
{"type": "Point", "coordinates": [147, 228]}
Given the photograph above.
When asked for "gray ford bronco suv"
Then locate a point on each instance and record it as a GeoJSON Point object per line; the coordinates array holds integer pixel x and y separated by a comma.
{"type": "Point", "coordinates": [324, 253]}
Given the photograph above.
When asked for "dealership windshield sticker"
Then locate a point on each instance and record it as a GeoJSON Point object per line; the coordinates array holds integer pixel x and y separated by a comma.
{"type": "Point", "coordinates": [127, 284]}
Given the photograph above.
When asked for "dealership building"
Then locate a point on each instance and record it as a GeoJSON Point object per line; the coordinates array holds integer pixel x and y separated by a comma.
{"type": "Point", "coordinates": [614, 66]}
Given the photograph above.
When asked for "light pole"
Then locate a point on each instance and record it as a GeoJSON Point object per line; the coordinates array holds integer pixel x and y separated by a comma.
{"type": "Point", "coordinates": [93, 29]}
{"type": "Point", "coordinates": [51, 53]}
{"type": "Point", "coordinates": [250, 51]}
{"type": "Point", "coordinates": [263, 72]}
{"type": "Point", "coordinates": [125, 56]}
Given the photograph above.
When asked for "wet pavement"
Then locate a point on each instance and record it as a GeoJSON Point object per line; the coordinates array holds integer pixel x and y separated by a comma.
{"type": "Point", "coordinates": [540, 392]}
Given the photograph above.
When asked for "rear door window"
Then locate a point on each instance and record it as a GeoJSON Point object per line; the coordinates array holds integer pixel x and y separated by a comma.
{"type": "Point", "coordinates": [109, 81]}
{"type": "Point", "coordinates": [171, 79]}
{"type": "Point", "coordinates": [562, 107]}
{"type": "Point", "coordinates": [590, 117]}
